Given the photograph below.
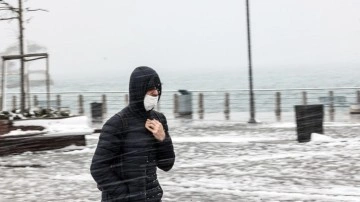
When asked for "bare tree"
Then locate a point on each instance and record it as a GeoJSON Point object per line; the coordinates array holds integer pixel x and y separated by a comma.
{"type": "Point", "coordinates": [10, 13]}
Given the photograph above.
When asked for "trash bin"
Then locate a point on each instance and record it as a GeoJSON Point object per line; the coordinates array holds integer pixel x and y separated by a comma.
{"type": "Point", "coordinates": [185, 103]}
{"type": "Point", "coordinates": [309, 119]}
{"type": "Point", "coordinates": [96, 112]}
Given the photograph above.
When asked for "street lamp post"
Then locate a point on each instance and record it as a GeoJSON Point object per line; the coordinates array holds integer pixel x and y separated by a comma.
{"type": "Point", "coordinates": [22, 65]}
{"type": "Point", "coordinates": [251, 93]}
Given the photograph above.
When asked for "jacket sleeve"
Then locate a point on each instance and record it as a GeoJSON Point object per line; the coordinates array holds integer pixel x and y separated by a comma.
{"type": "Point", "coordinates": [165, 154]}
{"type": "Point", "coordinates": [107, 151]}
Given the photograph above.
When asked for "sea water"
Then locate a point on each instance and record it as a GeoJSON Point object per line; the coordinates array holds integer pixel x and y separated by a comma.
{"type": "Point", "coordinates": [214, 83]}
{"type": "Point", "coordinates": [222, 79]}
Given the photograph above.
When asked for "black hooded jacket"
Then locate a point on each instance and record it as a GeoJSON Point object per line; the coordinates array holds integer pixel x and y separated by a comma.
{"type": "Point", "coordinates": [127, 155]}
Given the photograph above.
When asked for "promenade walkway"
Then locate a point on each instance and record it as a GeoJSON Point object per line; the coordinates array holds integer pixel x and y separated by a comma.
{"type": "Point", "coordinates": [216, 161]}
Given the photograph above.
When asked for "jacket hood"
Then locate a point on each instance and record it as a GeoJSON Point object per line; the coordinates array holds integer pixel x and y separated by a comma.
{"type": "Point", "coordinates": [141, 80]}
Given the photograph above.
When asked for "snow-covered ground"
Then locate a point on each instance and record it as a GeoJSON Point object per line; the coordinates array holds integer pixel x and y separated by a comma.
{"type": "Point", "coordinates": [215, 161]}
{"type": "Point", "coordinates": [66, 126]}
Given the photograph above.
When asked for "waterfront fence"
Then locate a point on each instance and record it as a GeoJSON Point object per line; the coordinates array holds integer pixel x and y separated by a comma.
{"type": "Point", "coordinates": [276, 101]}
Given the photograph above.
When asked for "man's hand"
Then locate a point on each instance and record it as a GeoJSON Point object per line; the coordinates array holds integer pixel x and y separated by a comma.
{"type": "Point", "coordinates": [156, 128]}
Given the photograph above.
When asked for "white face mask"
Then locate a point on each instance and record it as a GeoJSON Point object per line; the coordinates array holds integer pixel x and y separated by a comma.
{"type": "Point", "coordinates": [150, 102]}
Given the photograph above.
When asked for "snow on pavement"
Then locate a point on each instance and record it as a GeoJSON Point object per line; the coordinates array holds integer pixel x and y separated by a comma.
{"type": "Point", "coordinates": [214, 162]}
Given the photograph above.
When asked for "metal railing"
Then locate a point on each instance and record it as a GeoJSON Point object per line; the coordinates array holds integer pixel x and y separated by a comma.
{"type": "Point", "coordinates": [273, 101]}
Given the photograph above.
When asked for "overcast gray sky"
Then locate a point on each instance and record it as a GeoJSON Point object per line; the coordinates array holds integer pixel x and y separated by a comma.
{"type": "Point", "coordinates": [113, 36]}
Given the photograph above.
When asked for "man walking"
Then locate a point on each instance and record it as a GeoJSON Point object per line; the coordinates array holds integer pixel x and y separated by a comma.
{"type": "Point", "coordinates": [133, 144]}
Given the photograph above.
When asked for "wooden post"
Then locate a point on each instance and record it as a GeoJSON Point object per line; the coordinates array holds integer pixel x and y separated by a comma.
{"type": "Point", "coordinates": [36, 101]}
{"type": "Point", "coordinates": [47, 82]}
{"type": "Point", "coordinates": [3, 88]}
{"type": "Point", "coordinates": [176, 104]}
{"type": "Point", "coordinates": [104, 107]}
{"type": "Point", "coordinates": [304, 98]}
{"type": "Point", "coordinates": [278, 106]}
{"type": "Point", "coordinates": [201, 106]}
{"type": "Point", "coordinates": [81, 105]}
{"type": "Point", "coordinates": [358, 96]}
{"type": "Point", "coordinates": [58, 102]}
{"type": "Point", "coordinates": [14, 103]}
{"type": "Point", "coordinates": [126, 99]}
{"type": "Point", "coordinates": [27, 91]}
{"type": "Point", "coordinates": [227, 106]}
{"type": "Point", "coordinates": [331, 107]}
